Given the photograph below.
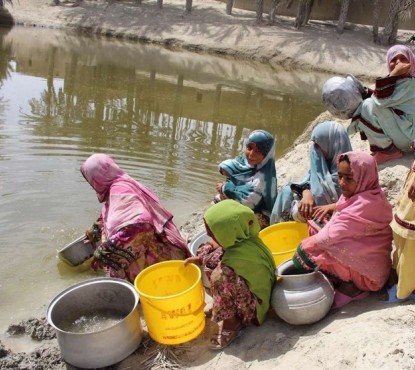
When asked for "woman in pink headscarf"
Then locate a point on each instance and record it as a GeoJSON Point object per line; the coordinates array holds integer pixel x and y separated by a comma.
{"type": "Point", "coordinates": [134, 231]}
{"type": "Point", "coordinates": [354, 247]}
{"type": "Point", "coordinates": [387, 117]}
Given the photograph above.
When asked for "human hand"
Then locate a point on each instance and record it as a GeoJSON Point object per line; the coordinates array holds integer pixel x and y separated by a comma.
{"type": "Point", "coordinates": [400, 69]}
{"type": "Point", "coordinates": [219, 187]}
{"type": "Point", "coordinates": [89, 237]}
{"type": "Point", "coordinates": [305, 206]}
{"type": "Point", "coordinates": [96, 264]}
{"type": "Point", "coordinates": [196, 260]}
{"type": "Point", "coordinates": [322, 212]}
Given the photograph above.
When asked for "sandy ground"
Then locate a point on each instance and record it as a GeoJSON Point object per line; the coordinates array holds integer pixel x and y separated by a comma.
{"type": "Point", "coordinates": [368, 334]}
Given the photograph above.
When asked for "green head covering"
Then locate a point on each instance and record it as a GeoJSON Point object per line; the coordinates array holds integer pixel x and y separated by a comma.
{"type": "Point", "coordinates": [235, 227]}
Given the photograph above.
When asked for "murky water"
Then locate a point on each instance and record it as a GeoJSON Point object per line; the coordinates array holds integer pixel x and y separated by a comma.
{"type": "Point", "coordinates": [167, 117]}
{"type": "Point", "coordinates": [91, 323]}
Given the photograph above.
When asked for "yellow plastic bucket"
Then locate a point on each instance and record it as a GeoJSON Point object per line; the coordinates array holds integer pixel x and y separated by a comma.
{"type": "Point", "coordinates": [283, 239]}
{"type": "Point", "coordinates": [172, 299]}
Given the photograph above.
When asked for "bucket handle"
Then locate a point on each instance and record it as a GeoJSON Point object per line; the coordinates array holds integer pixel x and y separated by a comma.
{"type": "Point", "coordinates": [194, 313]}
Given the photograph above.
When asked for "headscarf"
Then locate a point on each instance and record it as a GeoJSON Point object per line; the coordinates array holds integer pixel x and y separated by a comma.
{"type": "Point", "coordinates": [235, 227]}
{"type": "Point", "coordinates": [126, 201]}
{"type": "Point", "coordinates": [322, 177]}
{"type": "Point", "coordinates": [403, 50]}
{"type": "Point", "coordinates": [256, 185]}
{"type": "Point", "coordinates": [358, 235]}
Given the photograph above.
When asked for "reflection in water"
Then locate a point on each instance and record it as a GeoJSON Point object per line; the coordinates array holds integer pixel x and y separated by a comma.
{"type": "Point", "coordinates": [168, 118]}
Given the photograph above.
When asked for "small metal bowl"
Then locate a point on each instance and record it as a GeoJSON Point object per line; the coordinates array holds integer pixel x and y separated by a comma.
{"type": "Point", "coordinates": [76, 252]}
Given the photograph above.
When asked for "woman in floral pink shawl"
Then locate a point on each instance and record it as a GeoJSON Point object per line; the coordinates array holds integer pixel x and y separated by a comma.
{"type": "Point", "coordinates": [354, 247]}
{"type": "Point", "coordinates": [134, 230]}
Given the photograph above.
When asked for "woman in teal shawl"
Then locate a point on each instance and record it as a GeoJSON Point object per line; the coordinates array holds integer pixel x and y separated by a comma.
{"type": "Point", "coordinates": [251, 177]}
{"type": "Point", "coordinates": [308, 198]}
{"type": "Point", "coordinates": [242, 270]}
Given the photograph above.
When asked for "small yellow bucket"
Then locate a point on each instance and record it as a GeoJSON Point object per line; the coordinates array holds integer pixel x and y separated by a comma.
{"type": "Point", "coordinates": [172, 298]}
{"type": "Point", "coordinates": [283, 239]}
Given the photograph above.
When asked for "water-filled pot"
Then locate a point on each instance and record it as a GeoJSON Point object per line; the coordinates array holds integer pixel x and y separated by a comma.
{"type": "Point", "coordinates": [74, 314]}
{"type": "Point", "coordinates": [198, 240]}
{"type": "Point", "coordinates": [299, 298]}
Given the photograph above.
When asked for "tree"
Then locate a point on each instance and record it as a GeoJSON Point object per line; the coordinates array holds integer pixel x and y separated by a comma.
{"type": "Point", "coordinates": [397, 9]}
{"type": "Point", "coordinates": [259, 10]}
{"type": "Point", "coordinates": [189, 5]}
{"type": "Point", "coordinates": [229, 6]}
{"type": "Point", "coordinates": [344, 8]}
{"type": "Point", "coordinates": [303, 13]}
{"type": "Point", "coordinates": [375, 30]}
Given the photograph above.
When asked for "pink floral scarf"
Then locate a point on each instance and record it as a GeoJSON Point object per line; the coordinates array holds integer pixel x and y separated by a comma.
{"type": "Point", "coordinates": [126, 201]}
{"type": "Point", "coordinates": [358, 235]}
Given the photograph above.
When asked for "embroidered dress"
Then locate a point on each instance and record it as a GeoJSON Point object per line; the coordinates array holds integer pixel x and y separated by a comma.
{"type": "Point", "coordinates": [321, 179]}
{"type": "Point", "coordinates": [241, 271]}
{"type": "Point", "coordinates": [355, 245]}
{"type": "Point", "coordinates": [136, 230]}
{"type": "Point", "coordinates": [253, 186]}
{"type": "Point", "coordinates": [387, 117]}
{"type": "Point", "coordinates": [403, 226]}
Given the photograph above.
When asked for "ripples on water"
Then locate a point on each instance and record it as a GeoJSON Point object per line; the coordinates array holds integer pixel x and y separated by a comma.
{"type": "Point", "coordinates": [168, 118]}
{"type": "Point", "coordinates": [91, 323]}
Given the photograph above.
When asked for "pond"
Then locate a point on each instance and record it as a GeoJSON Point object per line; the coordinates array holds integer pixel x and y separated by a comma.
{"type": "Point", "coordinates": [167, 117]}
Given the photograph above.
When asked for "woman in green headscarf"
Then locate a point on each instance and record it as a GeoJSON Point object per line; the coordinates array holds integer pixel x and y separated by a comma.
{"type": "Point", "coordinates": [242, 270]}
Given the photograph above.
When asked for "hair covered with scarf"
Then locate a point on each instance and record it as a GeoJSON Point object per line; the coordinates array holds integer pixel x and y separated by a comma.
{"type": "Point", "coordinates": [358, 236]}
{"type": "Point", "coordinates": [401, 50]}
{"type": "Point", "coordinates": [126, 201]}
{"type": "Point", "coordinates": [253, 186]}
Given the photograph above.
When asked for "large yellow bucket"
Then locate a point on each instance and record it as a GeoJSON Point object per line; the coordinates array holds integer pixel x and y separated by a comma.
{"type": "Point", "coordinates": [283, 239]}
{"type": "Point", "coordinates": [172, 299]}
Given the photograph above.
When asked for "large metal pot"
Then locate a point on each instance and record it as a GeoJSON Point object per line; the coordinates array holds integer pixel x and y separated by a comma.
{"type": "Point", "coordinates": [198, 240]}
{"type": "Point", "coordinates": [301, 298]}
{"type": "Point", "coordinates": [101, 296]}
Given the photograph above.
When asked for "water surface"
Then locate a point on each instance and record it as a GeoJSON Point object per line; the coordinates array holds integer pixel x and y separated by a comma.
{"type": "Point", "coordinates": [167, 117]}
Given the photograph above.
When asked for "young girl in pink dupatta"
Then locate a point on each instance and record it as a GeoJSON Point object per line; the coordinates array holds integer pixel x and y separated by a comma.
{"type": "Point", "coordinates": [354, 247]}
{"type": "Point", "coordinates": [134, 231]}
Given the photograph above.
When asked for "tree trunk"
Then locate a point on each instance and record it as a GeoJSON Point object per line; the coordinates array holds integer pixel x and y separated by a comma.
{"type": "Point", "coordinates": [259, 10]}
{"type": "Point", "coordinates": [160, 3]}
{"type": "Point", "coordinates": [229, 5]}
{"type": "Point", "coordinates": [391, 21]}
{"type": "Point", "coordinates": [272, 10]}
{"type": "Point", "coordinates": [303, 13]}
{"type": "Point", "coordinates": [375, 30]}
{"type": "Point", "coordinates": [189, 6]}
{"type": "Point", "coordinates": [343, 15]}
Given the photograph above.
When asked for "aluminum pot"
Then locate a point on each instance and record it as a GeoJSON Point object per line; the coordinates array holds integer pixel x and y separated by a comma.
{"type": "Point", "coordinates": [301, 298]}
{"type": "Point", "coordinates": [104, 347]}
{"type": "Point", "coordinates": [76, 252]}
{"type": "Point", "coordinates": [194, 245]}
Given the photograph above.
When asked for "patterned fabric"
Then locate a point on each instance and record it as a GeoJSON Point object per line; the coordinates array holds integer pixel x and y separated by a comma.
{"type": "Point", "coordinates": [332, 138]}
{"type": "Point", "coordinates": [129, 206]}
{"type": "Point", "coordinates": [355, 245]}
{"type": "Point", "coordinates": [387, 118]}
{"type": "Point", "coordinates": [235, 227]}
{"type": "Point", "coordinates": [403, 226]}
{"type": "Point", "coordinates": [254, 187]}
{"type": "Point", "coordinates": [134, 248]}
{"type": "Point", "coordinates": [232, 295]}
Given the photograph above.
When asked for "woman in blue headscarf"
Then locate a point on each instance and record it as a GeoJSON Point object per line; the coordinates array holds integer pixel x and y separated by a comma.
{"type": "Point", "coordinates": [313, 196]}
{"type": "Point", "coordinates": [251, 177]}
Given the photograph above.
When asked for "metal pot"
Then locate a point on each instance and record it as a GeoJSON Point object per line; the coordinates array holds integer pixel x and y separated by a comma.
{"type": "Point", "coordinates": [101, 296]}
{"type": "Point", "coordinates": [76, 252]}
{"type": "Point", "coordinates": [194, 245]}
{"type": "Point", "coordinates": [301, 298]}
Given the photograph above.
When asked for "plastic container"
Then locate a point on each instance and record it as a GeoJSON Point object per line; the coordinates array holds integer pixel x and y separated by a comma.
{"type": "Point", "coordinates": [283, 238]}
{"type": "Point", "coordinates": [172, 299]}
